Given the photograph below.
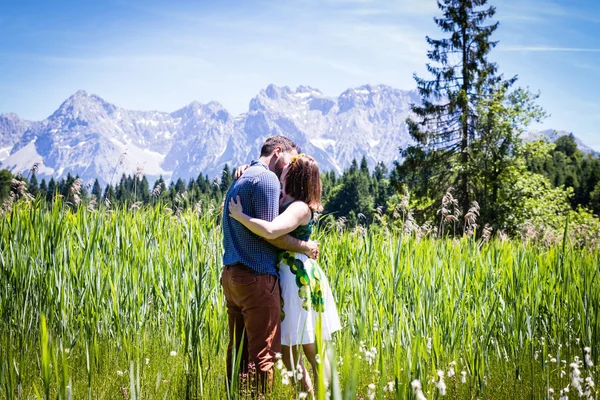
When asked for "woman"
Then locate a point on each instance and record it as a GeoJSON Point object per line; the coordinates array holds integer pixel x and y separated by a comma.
{"type": "Point", "coordinates": [306, 295]}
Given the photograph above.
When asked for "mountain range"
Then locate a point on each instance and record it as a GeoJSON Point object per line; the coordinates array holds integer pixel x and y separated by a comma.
{"type": "Point", "coordinates": [92, 138]}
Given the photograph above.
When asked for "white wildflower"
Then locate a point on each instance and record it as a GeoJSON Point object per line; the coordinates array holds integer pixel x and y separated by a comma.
{"type": "Point", "coordinates": [279, 364]}
{"type": "Point", "coordinates": [389, 387]}
{"type": "Point", "coordinates": [588, 357]}
{"type": "Point", "coordinates": [299, 374]}
{"type": "Point", "coordinates": [371, 391]}
{"type": "Point", "coordinates": [589, 386]}
{"type": "Point", "coordinates": [429, 344]}
{"type": "Point", "coordinates": [563, 394]}
{"type": "Point", "coordinates": [463, 377]}
{"type": "Point", "coordinates": [120, 373]}
{"type": "Point", "coordinates": [285, 378]}
{"type": "Point", "coordinates": [441, 385]}
{"type": "Point", "coordinates": [147, 361]}
{"type": "Point", "coordinates": [553, 360]}
{"type": "Point", "coordinates": [303, 395]}
{"type": "Point", "coordinates": [173, 353]}
{"type": "Point", "coordinates": [451, 372]}
{"type": "Point", "coordinates": [417, 390]}
{"type": "Point", "coordinates": [370, 357]}
{"type": "Point", "coordinates": [576, 378]}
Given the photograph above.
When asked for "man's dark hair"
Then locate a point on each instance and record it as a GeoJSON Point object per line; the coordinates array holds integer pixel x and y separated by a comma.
{"type": "Point", "coordinates": [278, 141]}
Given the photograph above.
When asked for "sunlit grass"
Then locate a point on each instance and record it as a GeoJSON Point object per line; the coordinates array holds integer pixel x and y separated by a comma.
{"type": "Point", "coordinates": [127, 304]}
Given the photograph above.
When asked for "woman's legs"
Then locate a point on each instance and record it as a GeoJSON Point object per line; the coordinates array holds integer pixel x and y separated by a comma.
{"type": "Point", "coordinates": [310, 351]}
{"type": "Point", "coordinates": [292, 362]}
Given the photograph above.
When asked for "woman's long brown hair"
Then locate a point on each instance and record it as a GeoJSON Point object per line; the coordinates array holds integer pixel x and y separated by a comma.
{"type": "Point", "coordinates": [303, 181]}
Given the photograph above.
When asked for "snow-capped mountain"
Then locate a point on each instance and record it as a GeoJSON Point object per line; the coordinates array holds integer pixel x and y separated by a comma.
{"type": "Point", "coordinates": [11, 130]}
{"type": "Point", "coordinates": [92, 138]}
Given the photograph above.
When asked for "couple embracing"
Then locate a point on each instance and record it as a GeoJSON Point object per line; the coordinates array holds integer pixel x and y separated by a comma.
{"type": "Point", "coordinates": [274, 290]}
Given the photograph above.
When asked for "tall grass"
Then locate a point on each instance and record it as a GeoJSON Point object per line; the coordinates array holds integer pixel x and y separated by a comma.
{"type": "Point", "coordinates": [127, 304]}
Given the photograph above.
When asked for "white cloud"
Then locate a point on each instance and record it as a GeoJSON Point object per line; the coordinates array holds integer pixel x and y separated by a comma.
{"type": "Point", "coordinates": [548, 49]}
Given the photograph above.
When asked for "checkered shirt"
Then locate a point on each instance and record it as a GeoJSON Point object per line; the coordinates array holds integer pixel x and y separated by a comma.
{"type": "Point", "coordinates": [259, 190]}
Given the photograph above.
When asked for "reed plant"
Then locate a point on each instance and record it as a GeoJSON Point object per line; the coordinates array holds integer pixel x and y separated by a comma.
{"type": "Point", "coordinates": [126, 303]}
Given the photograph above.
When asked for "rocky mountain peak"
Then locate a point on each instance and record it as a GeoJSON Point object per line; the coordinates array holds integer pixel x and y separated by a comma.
{"type": "Point", "coordinates": [84, 106]}
{"type": "Point", "coordinates": [90, 137]}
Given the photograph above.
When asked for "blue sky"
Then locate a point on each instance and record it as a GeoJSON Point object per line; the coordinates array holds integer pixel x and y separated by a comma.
{"type": "Point", "coordinates": [150, 55]}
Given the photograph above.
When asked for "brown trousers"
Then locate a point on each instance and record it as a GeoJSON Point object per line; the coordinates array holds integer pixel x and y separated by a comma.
{"type": "Point", "coordinates": [253, 310]}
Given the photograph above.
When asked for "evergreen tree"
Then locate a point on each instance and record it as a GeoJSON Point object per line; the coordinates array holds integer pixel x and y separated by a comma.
{"type": "Point", "coordinates": [33, 185]}
{"type": "Point", "coordinates": [97, 190]}
{"type": "Point", "coordinates": [445, 124]}
{"type": "Point", "coordinates": [567, 166]}
{"type": "Point", "coordinates": [5, 183]}
{"type": "Point", "coordinates": [180, 186]}
{"type": "Point", "coordinates": [382, 189]}
{"type": "Point", "coordinates": [226, 179]}
{"type": "Point", "coordinates": [595, 199]}
{"type": "Point", "coordinates": [51, 190]}
{"type": "Point", "coordinates": [159, 188]}
{"type": "Point", "coordinates": [566, 144]}
{"type": "Point", "coordinates": [364, 166]}
{"type": "Point", "coordinates": [43, 192]}
{"type": "Point", "coordinates": [353, 194]}
{"type": "Point", "coordinates": [109, 193]}
{"type": "Point", "coordinates": [143, 190]}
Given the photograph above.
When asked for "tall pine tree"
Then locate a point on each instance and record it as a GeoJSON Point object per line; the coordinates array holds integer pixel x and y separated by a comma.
{"type": "Point", "coordinates": [445, 121]}
{"type": "Point", "coordinates": [97, 190]}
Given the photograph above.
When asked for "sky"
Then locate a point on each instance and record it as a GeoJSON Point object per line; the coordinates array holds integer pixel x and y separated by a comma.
{"type": "Point", "coordinates": [157, 55]}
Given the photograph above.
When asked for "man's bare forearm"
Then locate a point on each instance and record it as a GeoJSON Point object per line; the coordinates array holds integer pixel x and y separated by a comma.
{"type": "Point", "coordinates": [290, 243]}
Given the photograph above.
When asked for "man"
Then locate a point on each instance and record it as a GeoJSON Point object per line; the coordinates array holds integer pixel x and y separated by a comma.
{"type": "Point", "coordinates": [250, 280]}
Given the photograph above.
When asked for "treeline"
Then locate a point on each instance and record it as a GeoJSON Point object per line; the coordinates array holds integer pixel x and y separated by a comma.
{"type": "Point", "coordinates": [359, 196]}
{"type": "Point", "coordinates": [131, 190]}
{"type": "Point", "coordinates": [567, 166]}
{"type": "Point", "coordinates": [356, 196]}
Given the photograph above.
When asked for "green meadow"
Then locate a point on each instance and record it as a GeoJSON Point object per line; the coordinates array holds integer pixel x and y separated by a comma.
{"type": "Point", "coordinates": [127, 304]}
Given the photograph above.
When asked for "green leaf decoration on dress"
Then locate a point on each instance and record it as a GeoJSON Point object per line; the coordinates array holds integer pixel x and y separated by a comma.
{"type": "Point", "coordinates": [281, 256]}
{"type": "Point", "coordinates": [308, 281]}
{"type": "Point", "coordinates": [305, 295]}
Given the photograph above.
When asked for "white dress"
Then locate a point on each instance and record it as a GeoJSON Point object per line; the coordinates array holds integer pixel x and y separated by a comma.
{"type": "Point", "coordinates": [305, 297]}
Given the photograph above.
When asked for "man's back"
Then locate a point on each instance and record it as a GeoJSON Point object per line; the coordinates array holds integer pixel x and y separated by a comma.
{"type": "Point", "coordinates": [258, 189]}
